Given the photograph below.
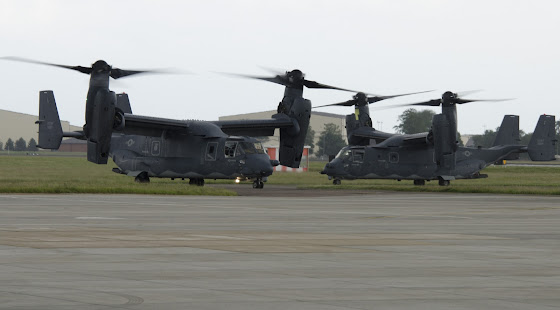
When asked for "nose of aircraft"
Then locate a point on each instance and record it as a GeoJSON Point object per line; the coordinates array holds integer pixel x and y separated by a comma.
{"type": "Point", "coordinates": [333, 168]}
{"type": "Point", "coordinates": [258, 166]}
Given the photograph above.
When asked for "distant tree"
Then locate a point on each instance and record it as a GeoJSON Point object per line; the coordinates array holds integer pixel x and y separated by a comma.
{"type": "Point", "coordinates": [309, 139]}
{"type": "Point", "coordinates": [21, 145]}
{"type": "Point", "coordinates": [32, 145]}
{"type": "Point", "coordinates": [459, 139]}
{"type": "Point", "coordinates": [413, 121]}
{"type": "Point", "coordinates": [330, 140]}
{"type": "Point", "coordinates": [486, 139]}
{"type": "Point", "coordinates": [1, 145]}
{"type": "Point", "coordinates": [9, 145]}
{"type": "Point", "coordinates": [525, 137]}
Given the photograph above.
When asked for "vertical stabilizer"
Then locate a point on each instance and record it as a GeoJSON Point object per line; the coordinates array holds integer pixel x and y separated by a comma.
{"type": "Point", "coordinates": [508, 134]}
{"type": "Point", "coordinates": [123, 103]}
{"type": "Point", "coordinates": [543, 142]}
{"type": "Point", "coordinates": [50, 129]}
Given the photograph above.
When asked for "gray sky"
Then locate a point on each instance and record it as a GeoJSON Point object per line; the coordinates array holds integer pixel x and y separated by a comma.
{"type": "Point", "coordinates": [508, 48]}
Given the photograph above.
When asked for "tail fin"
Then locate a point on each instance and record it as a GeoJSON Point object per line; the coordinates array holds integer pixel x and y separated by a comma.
{"type": "Point", "coordinates": [292, 140]}
{"type": "Point", "coordinates": [508, 134]}
{"type": "Point", "coordinates": [50, 129]}
{"type": "Point", "coordinates": [543, 142]}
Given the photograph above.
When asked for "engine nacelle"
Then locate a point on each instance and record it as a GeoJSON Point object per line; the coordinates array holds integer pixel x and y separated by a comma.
{"type": "Point", "coordinates": [101, 127]}
{"type": "Point", "coordinates": [292, 140]}
{"type": "Point", "coordinates": [444, 142]}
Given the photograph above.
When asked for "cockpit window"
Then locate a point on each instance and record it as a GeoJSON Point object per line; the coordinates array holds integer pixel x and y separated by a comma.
{"type": "Point", "coordinates": [251, 147]}
{"type": "Point", "coordinates": [343, 153]}
{"type": "Point", "coordinates": [229, 148]}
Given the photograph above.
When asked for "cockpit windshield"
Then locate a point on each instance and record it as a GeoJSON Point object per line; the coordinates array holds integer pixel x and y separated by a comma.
{"type": "Point", "coordinates": [251, 147]}
{"type": "Point", "coordinates": [343, 153]}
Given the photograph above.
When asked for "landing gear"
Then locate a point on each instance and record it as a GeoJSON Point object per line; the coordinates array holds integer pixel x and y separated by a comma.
{"type": "Point", "coordinates": [419, 182]}
{"type": "Point", "coordinates": [443, 182]}
{"type": "Point", "coordinates": [258, 183]}
{"type": "Point", "coordinates": [196, 181]}
{"type": "Point", "coordinates": [142, 178]}
{"type": "Point", "coordinates": [336, 182]}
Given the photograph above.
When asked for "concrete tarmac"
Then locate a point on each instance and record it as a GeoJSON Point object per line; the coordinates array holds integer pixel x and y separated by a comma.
{"type": "Point", "coordinates": [329, 252]}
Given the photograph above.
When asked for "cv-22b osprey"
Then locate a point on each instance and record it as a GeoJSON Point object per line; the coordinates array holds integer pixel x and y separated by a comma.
{"type": "Point", "coordinates": [434, 155]}
{"type": "Point", "coordinates": [144, 146]}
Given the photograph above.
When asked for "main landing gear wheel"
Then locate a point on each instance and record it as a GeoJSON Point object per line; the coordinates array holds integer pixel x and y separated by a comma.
{"type": "Point", "coordinates": [258, 183]}
{"type": "Point", "coordinates": [444, 182]}
{"type": "Point", "coordinates": [419, 182]}
{"type": "Point", "coordinates": [142, 178]}
{"type": "Point", "coordinates": [336, 182]}
{"type": "Point", "coordinates": [196, 181]}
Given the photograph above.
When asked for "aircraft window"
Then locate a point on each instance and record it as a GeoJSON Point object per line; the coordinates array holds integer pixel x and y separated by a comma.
{"type": "Point", "coordinates": [229, 148]}
{"type": "Point", "coordinates": [358, 156]}
{"type": "Point", "coordinates": [252, 147]}
{"type": "Point", "coordinates": [343, 153]}
{"type": "Point", "coordinates": [211, 150]}
{"type": "Point", "coordinates": [393, 157]}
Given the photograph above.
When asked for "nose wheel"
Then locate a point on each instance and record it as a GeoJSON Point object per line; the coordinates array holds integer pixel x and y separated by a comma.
{"type": "Point", "coordinates": [258, 183]}
{"type": "Point", "coordinates": [142, 178]}
{"type": "Point", "coordinates": [336, 182]}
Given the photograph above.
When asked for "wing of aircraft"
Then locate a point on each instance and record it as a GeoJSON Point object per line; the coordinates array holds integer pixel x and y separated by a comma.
{"type": "Point", "coordinates": [256, 128]}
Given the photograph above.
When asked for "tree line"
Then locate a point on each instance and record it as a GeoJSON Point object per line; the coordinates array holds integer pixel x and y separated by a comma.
{"type": "Point", "coordinates": [20, 145]}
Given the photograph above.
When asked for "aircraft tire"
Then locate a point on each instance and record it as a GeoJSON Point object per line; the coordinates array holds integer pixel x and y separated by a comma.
{"type": "Point", "coordinates": [142, 178]}
{"type": "Point", "coordinates": [444, 182]}
{"type": "Point", "coordinates": [419, 182]}
{"type": "Point", "coordinates": [336, 182]}
{"type": "Point", "coordinates": [258, 184]}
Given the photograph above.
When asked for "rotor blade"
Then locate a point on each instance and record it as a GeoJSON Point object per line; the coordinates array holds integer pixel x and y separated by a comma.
{"type": "Point", "coordinates": [429, 103]}
{"type": "Point", "coordinates": [461, 101]}
{"type": "Point", "coordinates": [468, 92]}
{"type": "Point", "coordinates": [81, 69]}
{"type": "Point", "coordinates": [313, 84]}
{"type": "Point", "coordinates": [274, 71]}
{"type": "Point", "coordinates": [277, 79]}
{"type": "Point", "coordinates": [348, 103]}
{"type": "Point", "coordinates": [117, 73]}
{"type": "Point", "coordinates": [379, 98]}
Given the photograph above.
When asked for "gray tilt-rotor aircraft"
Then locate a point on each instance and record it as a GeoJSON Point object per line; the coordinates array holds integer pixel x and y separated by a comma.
{"type": "Point", "coordinates": [144, 147]}
{"type": "Point", "coordinates": [434, 155]}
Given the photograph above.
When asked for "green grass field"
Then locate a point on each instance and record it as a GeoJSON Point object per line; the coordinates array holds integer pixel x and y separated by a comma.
{"type": "Point", "coordinates": [50, 174]}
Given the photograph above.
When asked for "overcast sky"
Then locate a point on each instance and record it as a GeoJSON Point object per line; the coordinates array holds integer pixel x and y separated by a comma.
{"type": "Point", "coordinates": [507, 48]}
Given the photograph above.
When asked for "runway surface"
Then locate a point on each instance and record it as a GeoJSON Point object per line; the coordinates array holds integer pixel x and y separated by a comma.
{"type": "Point", "coordinates": [329, 252]}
